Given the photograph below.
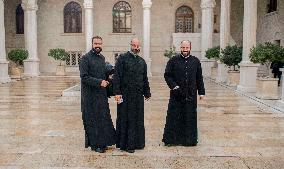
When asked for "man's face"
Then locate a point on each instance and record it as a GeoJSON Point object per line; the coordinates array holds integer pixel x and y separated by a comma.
{"type": "Point", "coordinates": [97, 45]}
{"type": "Point", "coordinates": [135, 46]}
{"type": "Point", "coordinates": [185, 48]}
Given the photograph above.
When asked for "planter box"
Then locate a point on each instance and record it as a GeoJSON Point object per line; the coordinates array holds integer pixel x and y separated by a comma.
{"type": "Point", "coordinates": [267, 88]}
{"type": "Point", "coordinates": [60, 70]}
{"type": "Point", "coordinates": [17, 72]}
{"type": "Point", "coordinates": [214, 72]}
{"type": "Point", "coordinates": [233, 78]}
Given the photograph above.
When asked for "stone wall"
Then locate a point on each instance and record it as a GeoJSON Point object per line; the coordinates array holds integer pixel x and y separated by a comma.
{"type": "Point", "coordinates": [50, 27]}
{"type": "Point", "coordinates": [13, 40]}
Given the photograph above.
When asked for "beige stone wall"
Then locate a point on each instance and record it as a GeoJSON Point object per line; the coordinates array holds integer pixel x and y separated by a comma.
{"type": "Point", "coordinates": [51, 32]}
{"type": "Point", "coordinates": [270, 25]}
{"type": "Point", "coordinates": [50, 27]}
{"type": "Point", "coordinates": [13, 40]}
{"type": "Point", "coordinates": [237, 13]}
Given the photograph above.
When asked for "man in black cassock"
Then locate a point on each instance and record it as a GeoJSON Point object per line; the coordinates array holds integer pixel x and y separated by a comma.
{"type": "Point", "coordinates": [130, 86]}
{"type": "Point", "coordinates": [99, 129]}
{"type": "Point", "coordinates": [183, 75]}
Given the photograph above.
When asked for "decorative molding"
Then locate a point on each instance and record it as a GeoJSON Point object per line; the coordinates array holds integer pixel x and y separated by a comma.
{"type": "Point", "coordinates": [147, 4]}
{"type": "Point", "coordinates": [29, 5]}
{"type": "Point", "coordinates": [88, 4]}
{"type": "Point", "coordinates": [205, 4]}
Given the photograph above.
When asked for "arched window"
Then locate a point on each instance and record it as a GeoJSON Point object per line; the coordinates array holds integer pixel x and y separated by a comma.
{"type": "Point", "coordinates": [72, 18]}
{"type": "Point", "coordinates": [121, 17]}
{"type": "Point", "coordinates": [19, 20]}
{"type": "Point", "coordinates": [184, 20]}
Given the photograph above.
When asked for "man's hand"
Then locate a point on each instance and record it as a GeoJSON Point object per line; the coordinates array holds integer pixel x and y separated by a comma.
{"type": "Point", "coordinates": [118, 98]}
{"type": "Point", "coordinates": [201, 97]}
{"type": "Point", "coordinates": [104, 83]}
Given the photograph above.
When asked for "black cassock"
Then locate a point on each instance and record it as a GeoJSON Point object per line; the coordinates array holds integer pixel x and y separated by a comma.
{"type": "Point", "coordinates": [131, 81]}
{"type": "Point", "coordinates": [96, 117]}
{"type": "Point", "coordinates": [181, 121]}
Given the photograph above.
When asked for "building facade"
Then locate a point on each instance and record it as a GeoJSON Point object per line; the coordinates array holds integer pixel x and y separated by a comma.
{"type": "Point", "coordinates": [39, 25]}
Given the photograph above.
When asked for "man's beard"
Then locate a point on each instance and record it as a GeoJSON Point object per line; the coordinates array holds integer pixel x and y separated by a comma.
{"type": "Point", "coordinates": [97, 49]}
{"type": "Point", "coordinates": [135, 51]}
{"type": "Point", "coordinates": [185, 53]}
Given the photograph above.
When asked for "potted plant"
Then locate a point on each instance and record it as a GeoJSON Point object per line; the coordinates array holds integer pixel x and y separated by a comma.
{"type": "Point", "coordinates": [61, 55]}
{"type": "Point", "coordinates": [213, 53]}
{"type": "Point", "coordinates": [170, 53]}
{"type": "Point", "coordinates": [17, 56]}
{"type": "Point", "coordinates": [231, 56]}
{"type": "Point", "coordinates": [265, 54]}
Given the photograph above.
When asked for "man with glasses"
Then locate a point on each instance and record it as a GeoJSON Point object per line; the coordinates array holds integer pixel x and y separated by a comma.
{"type": "Point", "coordinates": [130, 87]}
{"type": "Point", "coordinates": [99, 129]}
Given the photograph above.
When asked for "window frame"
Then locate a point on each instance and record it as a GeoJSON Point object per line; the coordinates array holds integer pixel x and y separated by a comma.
{"type": "Point", "coordinates": [119, 29]}
{"type": "Point", "coordinates": [184, 19]}
{"type": "Point", "coordinates": [20, 18]}
{"type": "Point", "coordinates": [78, 12]}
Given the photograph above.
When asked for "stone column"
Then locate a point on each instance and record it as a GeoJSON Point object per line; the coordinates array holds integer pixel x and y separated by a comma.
{"type": "Point", "coordinates": [224, 37]}
{"type": "Point", "coordinates": [4, 77]}
{"type": "Point", "coordinates": [147, 34]}
{"type": "Point", "coordinates": [248, 70]}
{"type": "Point", "coordinates": [89, 23]}
{"type": "Point", "coordinates": [31, 65]}
{"type": "Point", "coordinates": [207, 7]}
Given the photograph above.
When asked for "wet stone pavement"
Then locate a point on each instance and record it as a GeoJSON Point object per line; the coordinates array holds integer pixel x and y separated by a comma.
{"type": "Point", "coordinates": [41, 129]}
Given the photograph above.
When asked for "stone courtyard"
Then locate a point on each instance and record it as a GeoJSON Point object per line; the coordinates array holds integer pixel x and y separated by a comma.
{"type": "Point", "coordinates": [41, 129]}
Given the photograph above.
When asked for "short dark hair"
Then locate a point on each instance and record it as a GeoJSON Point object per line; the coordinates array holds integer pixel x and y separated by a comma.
{"type": "Point", "coordinates": [96, 37]}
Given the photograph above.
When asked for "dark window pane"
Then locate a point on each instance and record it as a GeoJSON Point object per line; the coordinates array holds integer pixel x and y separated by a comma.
{"type": "Point", "coordinates": [19, 20]}
{"type": "Point", "coordinates": [184, 20]}
{"type": "Point", "coordinates": [272, 6]}
{"type": "Point", "coordinates": [72, 18]}
{"type": "Point", "coordinates": [121, 17]}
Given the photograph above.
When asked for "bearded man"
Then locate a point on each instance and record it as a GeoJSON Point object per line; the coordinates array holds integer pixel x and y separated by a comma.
{"type": "Point", "coordinates": [130, 87]}
{"type": "Point", "coordinates": [99, 129]}
{"type": "Point", "coordinates": [183, 75]}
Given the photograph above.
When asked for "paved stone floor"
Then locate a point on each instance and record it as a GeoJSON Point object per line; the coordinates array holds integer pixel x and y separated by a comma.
{"type": "Point", "coordinates": [41, 129]}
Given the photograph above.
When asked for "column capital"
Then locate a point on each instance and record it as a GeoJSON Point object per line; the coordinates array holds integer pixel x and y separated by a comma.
{"type": "Point", "coordinates": [207, 4]}
{"type": "Point", "coordinates": [88, 4]}
{"type": "Point", "coordinates": [147, 4]}
{"type": "Point", "coordinates": [29, 5]}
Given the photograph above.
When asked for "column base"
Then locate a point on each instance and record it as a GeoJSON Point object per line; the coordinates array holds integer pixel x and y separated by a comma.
{"type": "Point", "coordinates": [4, 76]}
{"type": "Point", "coordinates": [206, 67]}
{"type": "Point", "coordinates": [248, 75]}
{"type": "Point", "coordinates": [31, 68]}
{"type": "Point", "coordinates": [222, 75]}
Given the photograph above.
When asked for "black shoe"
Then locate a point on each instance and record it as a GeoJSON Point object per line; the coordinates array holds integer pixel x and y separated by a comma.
{"type": "Point", "coordinates": [130, 151]}
{"type": "Point", "coordinates": [169, 145]}
{"type": "Point", "coordinates": [86, 141]}
{"type": "Point", "coordinates": [98, 150]}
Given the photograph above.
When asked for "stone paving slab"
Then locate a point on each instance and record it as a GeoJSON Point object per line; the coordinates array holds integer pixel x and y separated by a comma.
{"type": "Point", "coordinates": [39, 129]}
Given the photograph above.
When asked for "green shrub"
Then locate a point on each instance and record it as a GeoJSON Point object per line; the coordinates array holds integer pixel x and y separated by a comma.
{"type": "Point", "coordinates": [58, 54]}
{"type": "Point", "coordinates": [231, 56]}
{"type": "Point", "coordinates": [18, 56]}
{"type": "Point", "coordinates": [213, 53]}
{"type": "Point", "coordinates": [266, 53]}
{"type": "Point", "coordinates": [170, 53]}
